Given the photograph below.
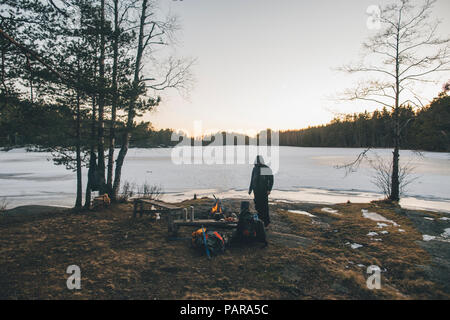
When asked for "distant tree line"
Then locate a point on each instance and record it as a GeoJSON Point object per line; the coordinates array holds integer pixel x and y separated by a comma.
{"type": "Point", "coordinates": [48, 126]}
{"type": "Point", "coordinates": [427, 128]}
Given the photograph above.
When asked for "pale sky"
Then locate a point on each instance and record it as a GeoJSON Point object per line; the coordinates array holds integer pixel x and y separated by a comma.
{"type": "Point", "coordinates": [269, 63]}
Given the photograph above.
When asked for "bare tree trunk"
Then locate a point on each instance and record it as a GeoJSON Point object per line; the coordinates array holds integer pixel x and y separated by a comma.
{"type": "Point", "coordinates": [395, 196]}
{"type": "Point", "coordinates": [5, 87]}
{"type": "Point", "coordinates": [131, 112]}
{"type": "Point", "coordinates": [78, 156]}
{"type": "Point", "coordinates": [92, 160]}
{"type": "Point", "coordinates": [112, 138]}
{"type": "Point", "coordinates": [31, 79]}
{"type": "Point", "coordinates": [88, 197]}
{"type": "Point", "coordinates": [119, 163]}
{"type": "Point", "coordinates": [101, 103]}
{"type": "Point", "coordinates": [395, 185]}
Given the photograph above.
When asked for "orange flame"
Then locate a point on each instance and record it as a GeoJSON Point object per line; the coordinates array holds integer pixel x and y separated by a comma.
{"type": "Point", "coordinates": [216, 208]}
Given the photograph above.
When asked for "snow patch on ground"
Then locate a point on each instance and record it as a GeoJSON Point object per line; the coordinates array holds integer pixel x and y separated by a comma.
{"type": "Point", "coordinates": [381, 225]}
{"type": "Point", "coordinates": [426, 237]}
{"type": "Point", "coordinates": [428, 218]}
{"type": "Point", "coordinates": [330, 210]}
{"type": "Point", "coordinates": [444, 218]}
{"type": "Point", "coordinates": [446, 233]}
{"type": "Point", "coordinates": [384, 232]}
{"type": "Point", "coordinates": [371, 234]}
{"type": "Point", "coordinates": [302, 212]}
{"type": "Point", "coordinates": [401, 230]}
{"type": "Point", "coordinates": [356, 245]}
{"type": "Point", "coordinates": [376, 217]}
{"type": "Point", "coordinates": [444, 236]}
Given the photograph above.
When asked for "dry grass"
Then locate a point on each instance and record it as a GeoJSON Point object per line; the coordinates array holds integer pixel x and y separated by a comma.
{"type": "Point", "coordinates": [398, 254]}
{"type": "Point", "coordinates": [129, 258]}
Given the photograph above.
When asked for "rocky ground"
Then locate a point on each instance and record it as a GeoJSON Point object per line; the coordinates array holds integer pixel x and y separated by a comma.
{"type": "Point", "coordinates": [315, 252]}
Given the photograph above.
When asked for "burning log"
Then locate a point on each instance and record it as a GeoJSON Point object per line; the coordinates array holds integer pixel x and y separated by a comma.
{"type": "Point", "coordinates": [217, 212]}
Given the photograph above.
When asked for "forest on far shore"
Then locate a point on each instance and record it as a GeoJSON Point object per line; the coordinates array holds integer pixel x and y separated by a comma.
{"type": "Point", "coordinates": [428, 128]}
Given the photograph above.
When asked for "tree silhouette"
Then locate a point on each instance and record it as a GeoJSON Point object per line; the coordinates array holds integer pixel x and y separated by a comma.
{"type": "Point", "coordinates": [405, 50]}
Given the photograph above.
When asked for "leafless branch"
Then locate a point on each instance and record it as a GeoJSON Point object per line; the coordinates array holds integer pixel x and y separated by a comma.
{"type": "Point", "coordinates": [406, 27]}
{"type": "Point", "coordinates": [354, 165]}
{"type": "Point", "coordinates": [355, 69]}
{"type": "Point", "coordinates": [177, 75]}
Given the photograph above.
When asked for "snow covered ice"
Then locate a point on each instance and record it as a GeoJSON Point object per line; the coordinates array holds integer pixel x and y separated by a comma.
{"type": "Point", "coordinates": [305, 174]}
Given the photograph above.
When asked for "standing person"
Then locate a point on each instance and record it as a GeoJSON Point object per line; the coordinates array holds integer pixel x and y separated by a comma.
{"type": "Point", "coordinates": [261, 184]}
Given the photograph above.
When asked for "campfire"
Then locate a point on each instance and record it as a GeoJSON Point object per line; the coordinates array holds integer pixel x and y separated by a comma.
{"type": "Point", "coordinates": [217, 208]}
{"type": "Point", "coordinates": [217, 211]}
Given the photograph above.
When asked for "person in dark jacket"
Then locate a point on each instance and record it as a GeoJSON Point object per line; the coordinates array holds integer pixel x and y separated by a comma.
{"type": "Point", "coordinates": [261, 184]}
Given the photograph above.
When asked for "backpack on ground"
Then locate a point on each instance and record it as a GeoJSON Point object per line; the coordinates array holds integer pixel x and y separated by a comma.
{"type": "Point", "coordinates": [250, 228]}
{"type": "Point", "coordinates": [215, 241]}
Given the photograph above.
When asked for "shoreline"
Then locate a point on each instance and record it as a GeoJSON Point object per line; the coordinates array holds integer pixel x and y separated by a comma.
{"type": "Point", "coordinates": [302, 195]}
{"type": "Point", "coordinates": [39, 149]}
{"type": "Point", "coordinates": [40, 209]}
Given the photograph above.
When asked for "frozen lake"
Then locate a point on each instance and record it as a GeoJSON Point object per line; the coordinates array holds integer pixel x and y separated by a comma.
{"type": "Point", "coordinates": [305, 174]}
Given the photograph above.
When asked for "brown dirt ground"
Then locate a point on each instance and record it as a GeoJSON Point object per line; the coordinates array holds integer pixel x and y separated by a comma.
{"type": "Point", "coordinates": [125, 258]}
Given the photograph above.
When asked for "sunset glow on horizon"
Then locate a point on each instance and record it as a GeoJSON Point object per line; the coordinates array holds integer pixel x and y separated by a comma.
{"type": "Point", "coordinates": [271, 64]}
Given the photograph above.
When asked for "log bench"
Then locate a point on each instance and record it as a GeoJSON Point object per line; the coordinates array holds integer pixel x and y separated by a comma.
{"type": "Point", "coordinates": [174, 225]}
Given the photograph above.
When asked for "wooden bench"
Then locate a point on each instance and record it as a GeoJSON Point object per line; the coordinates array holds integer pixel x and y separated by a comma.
{"type": "Point", "coordinates": [174, 225]}
{"type": "Point", "coordinates": [160, 207]}
{"type": "Point", "coordinates": [173, 212]}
